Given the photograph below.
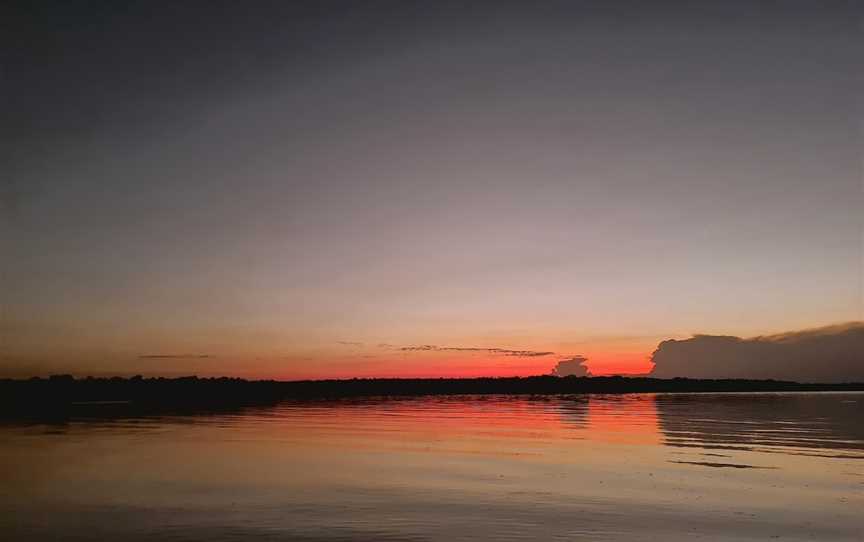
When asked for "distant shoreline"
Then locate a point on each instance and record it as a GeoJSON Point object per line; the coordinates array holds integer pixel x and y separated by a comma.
{"type": "Point", "coordinates": [65, 395]}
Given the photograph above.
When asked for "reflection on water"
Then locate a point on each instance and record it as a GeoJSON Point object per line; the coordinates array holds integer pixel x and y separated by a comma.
{"type": "Point", "coordinates": [786, 423]}
{"type": "Point", "coordinates": [634, 467]}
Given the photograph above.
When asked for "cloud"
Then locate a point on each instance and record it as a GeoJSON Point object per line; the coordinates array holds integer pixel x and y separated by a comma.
{"type": "Point", "coordinates": [497, 351]}
{"type": "Point", "coordinates": [175, 356]}
{"type": "Point", "coordinates": [350, 343]}
{"type": "Point", "coordinates": [574, 366]}
{"type": "Point", "coordinates": [827, 354]}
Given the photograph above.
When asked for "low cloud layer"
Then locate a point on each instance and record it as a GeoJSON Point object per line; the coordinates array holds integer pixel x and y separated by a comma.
{"type": "Point", "coordinates": [497, 351]}
{"type": "Point", "coordinates": [574, 366]}
{"type": "Point", "coordinates": [828, 354]}
{"type": "Point", "coordinates": [175, 356]}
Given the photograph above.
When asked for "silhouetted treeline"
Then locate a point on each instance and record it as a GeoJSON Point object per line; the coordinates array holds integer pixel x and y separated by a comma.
{"type": "Point", "coordinates": [61, 394]}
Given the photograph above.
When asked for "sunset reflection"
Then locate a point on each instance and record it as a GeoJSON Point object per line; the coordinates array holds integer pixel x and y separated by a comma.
{"type": "Point", "coordinates": [414, 466]}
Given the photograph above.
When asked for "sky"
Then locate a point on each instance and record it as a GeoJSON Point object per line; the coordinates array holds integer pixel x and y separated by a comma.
{"type": "Point", "coordinates": [338, 189]}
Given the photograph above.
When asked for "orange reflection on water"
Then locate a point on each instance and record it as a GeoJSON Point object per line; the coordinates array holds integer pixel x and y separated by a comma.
{"type": "Point", "coordinates": [624, 418]}
{"type": "Point", "coordinates": [476, 423]}
{"type": "Point", "coordinates": [594, 465]}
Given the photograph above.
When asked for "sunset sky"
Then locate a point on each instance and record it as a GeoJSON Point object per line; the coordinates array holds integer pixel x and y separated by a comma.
{"type": "Point", "coordinates": [332, 189]}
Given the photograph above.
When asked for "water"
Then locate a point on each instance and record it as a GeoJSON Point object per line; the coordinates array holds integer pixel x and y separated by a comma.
{"type": "Point", "coordinates": [631, 467]}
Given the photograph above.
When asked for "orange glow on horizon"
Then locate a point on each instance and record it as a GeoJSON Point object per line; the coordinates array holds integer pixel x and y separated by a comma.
{"type": "Point", "coordinates": [631, 363]}
{"type": "Point", "coordinates": [431, 365]}
{"type": "Point", "coordinates": [323, 365]}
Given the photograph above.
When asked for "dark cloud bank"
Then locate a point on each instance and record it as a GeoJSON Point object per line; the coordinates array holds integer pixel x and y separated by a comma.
{"type": "Point", "coordinates": [827, 354]}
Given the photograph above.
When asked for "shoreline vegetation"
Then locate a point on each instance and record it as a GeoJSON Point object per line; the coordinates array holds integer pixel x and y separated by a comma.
{"type": "Point", "coordinates": [64, 396]}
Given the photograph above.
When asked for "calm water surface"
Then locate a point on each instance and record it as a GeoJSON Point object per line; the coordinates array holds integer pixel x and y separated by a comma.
{"type": "Point", "coordinates": [631, 467]}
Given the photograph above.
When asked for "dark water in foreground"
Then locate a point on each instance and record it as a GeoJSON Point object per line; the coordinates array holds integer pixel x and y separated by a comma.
{"type": "Point", "coordinates": [632, 467]}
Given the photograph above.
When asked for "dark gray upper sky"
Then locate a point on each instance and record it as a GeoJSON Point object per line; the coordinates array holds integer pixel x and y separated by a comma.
{"type": "Point", "coordinates": [265, 179]}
